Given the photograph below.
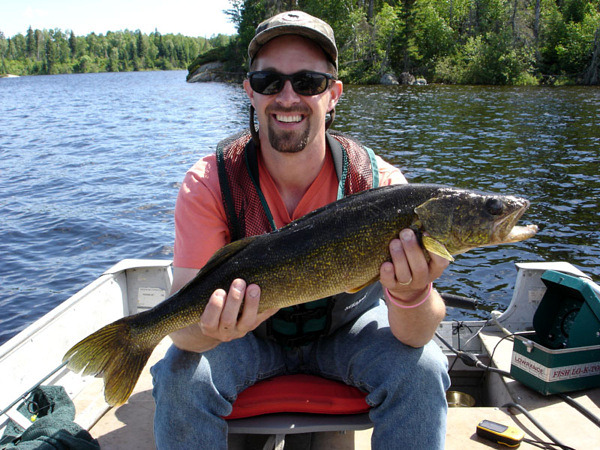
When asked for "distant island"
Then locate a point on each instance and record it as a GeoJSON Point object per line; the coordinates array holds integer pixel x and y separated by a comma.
{"type": "Point", "coordinates": [50, 52]}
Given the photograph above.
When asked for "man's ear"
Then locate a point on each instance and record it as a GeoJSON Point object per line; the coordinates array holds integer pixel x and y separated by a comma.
{"type": "Point", "coordinates": [336, 92]}
{"type": "Point", "coordinates": [249, 91]}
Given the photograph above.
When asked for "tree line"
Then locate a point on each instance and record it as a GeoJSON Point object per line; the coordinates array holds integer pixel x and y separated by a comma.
{"type": "Point", "coordinates": [443, 41]}
{"type": "Point", "coordinates": [48, 52]}
{"type": "Point", "coordinates": [448, 41]}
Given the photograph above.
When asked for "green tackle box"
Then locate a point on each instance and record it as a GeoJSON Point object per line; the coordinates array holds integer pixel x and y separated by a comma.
{"type": "Point", "coordinates": [563, 354]}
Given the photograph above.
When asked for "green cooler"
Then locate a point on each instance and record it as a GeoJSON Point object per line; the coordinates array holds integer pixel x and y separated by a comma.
{"type": "Point", "coordinates": [563, 354]}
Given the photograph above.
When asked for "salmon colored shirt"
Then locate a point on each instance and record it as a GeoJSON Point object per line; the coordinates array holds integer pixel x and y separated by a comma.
{"type": "Point", "coordinates": [200, 220]}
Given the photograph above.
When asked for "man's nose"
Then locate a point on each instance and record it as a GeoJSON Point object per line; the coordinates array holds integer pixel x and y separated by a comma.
{"type": "Point", "coordinates": [287, 94]}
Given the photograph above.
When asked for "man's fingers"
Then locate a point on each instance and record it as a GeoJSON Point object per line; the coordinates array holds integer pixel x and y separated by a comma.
{"type": "Point", "coordinates": [419, 268]}
{"type": "Point", "coordinates": [231, 315]}
{"type": "Point", "coordinates": [247, 321]}
{"type": "Point", "coordinates": [231, 311]}
{"type": "Point", "coordinates": [409, 270]}
{"type": "Point", "coordinates": [402, 271]}
{"type": "Point", "coordinates": [211, 317]}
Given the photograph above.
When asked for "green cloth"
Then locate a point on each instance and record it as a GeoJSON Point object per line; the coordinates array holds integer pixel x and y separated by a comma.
{"type": "Point", "coordinates": [53, 428]}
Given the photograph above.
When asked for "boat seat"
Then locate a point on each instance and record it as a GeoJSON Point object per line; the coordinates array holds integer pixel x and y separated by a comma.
{"type": "Point", "coordinates": [292, 404]}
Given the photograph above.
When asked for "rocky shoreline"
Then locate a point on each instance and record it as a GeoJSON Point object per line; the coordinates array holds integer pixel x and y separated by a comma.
{"type": "Point", "coordinates": [213, 71]}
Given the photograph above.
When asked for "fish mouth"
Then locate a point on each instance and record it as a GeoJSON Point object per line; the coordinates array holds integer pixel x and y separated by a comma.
{"type": "Point", "coordinates": [506, 230]}
{"type": "Point", "coordinates": [520, 233]}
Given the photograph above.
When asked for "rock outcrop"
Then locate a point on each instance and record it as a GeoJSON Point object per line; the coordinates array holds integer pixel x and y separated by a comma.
{"type": "Point", "coordinates": [212, 71]}
{"type": "Point", "coordinates": [388, 79]}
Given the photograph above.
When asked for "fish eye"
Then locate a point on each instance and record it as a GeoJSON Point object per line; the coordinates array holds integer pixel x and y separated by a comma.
{"type": "Point", "coordinates": [494, 206]}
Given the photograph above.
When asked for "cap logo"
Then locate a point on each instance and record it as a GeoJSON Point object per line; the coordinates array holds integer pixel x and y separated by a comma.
{"type": "Point", "coordinates": [291, 18]}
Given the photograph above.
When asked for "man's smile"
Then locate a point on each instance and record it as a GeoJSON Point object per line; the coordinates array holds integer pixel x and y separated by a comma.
{"type": "Point", "coordinates": [288, 119]}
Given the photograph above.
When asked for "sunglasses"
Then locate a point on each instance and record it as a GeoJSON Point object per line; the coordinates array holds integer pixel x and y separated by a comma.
{"type": "Point", "coordinates": [304, 83]}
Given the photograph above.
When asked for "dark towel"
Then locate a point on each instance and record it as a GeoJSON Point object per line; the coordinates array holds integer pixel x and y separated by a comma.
{"type": "Point", "coordinates": [53, 428]}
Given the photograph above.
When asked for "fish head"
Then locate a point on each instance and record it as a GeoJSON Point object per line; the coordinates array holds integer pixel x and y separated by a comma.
{"type": "Point", "coordinates": [460, 220]}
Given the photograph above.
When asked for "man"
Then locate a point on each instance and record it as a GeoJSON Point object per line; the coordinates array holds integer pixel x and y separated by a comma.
{"type": "Point", "coordinates": [264, 179]}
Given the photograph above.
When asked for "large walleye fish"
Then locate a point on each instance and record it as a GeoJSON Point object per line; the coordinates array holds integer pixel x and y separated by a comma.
{"type": "Point", "coordinates": [337, 248]}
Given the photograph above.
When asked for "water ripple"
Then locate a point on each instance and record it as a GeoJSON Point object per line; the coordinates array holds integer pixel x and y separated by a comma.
{"type": "Point", "coordinates": [90, 166]}
{"type": "Point", "coordinates": [540, 143]}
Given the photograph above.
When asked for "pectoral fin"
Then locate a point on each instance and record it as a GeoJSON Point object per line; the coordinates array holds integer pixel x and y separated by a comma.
{"type": "Point", "coordinates": [436, 247]}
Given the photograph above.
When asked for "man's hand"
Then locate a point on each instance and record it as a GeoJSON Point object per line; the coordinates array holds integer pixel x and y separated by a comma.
{"type": "Point", "coordinates": [409, 273]}
{"type": "Point", "coordinates": [221, 319]}
{"type": "Point", "coordinates": [407, 278]}
{"type": "Point", "coordinates": [227, 316]}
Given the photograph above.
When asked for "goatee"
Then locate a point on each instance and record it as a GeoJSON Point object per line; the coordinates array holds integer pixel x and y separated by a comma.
{"type": "Point", "coordinates": [288, 141]}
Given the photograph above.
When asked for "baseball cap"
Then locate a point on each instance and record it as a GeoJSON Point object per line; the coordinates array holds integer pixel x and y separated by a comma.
{"type": "Point", "coordinates": [298, 23]}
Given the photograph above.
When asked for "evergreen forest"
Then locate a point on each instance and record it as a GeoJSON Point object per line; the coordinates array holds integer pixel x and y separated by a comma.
{"type": "Point", "coordinates": [502, 42]}
{"type": "Point", "coordinates": [50, 52]}
{"type": "Point", "coordinates": [451, 41]}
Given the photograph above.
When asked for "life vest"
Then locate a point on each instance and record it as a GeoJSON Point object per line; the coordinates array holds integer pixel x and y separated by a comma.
{"type": "Point", "coordinates": [248, 214]}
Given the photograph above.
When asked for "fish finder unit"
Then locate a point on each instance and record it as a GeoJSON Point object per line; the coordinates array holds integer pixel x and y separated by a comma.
{"type": "Point", "coordinates": [500, 434]}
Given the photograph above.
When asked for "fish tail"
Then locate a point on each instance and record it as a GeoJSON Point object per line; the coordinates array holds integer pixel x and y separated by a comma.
{"type": "Point", "coordinates": [117, 353]}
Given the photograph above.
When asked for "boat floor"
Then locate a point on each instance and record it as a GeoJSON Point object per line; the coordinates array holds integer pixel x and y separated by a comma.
{"type": "Point", "coordinates": [130, 426]}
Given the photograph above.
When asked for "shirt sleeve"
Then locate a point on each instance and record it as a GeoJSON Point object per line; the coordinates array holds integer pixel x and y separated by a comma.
{"type": "Point", "coordinates": [200, 221]}
{"type": "Point", "coordinates": [389, 174]}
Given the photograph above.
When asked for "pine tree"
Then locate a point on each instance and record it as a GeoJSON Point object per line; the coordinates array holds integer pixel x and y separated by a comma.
{"type": "Point", "coordinates": [31, 45]}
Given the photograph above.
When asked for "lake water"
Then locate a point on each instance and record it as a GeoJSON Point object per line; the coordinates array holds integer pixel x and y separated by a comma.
{"type": "Point", "coordinates": [90, 166]}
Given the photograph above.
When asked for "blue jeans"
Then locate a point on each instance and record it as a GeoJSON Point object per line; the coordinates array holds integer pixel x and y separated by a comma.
{"type": "Point", "coordinates": [406, 386]}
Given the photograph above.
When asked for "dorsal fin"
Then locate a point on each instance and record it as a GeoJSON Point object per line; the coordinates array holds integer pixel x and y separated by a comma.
{"type": "Point", "coordinates": [225, 253]}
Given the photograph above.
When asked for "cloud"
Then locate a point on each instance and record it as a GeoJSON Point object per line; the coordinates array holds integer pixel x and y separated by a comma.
{"type": "Point", "coordinates": [35, 13]}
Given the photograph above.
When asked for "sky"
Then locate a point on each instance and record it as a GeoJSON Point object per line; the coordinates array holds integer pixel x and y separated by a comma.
{"type": "Point", "coordinates": [203, 18]}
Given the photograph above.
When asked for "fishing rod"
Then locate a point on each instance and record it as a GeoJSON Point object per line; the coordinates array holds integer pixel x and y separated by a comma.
{"type": "Point", "coordinates": [461, 302]}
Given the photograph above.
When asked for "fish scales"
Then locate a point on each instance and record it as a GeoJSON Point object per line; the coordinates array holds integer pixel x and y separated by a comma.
{"type": "Point", "coordinates": [337, 248]}
{"type": "Point", "coordinates": [324, 250]}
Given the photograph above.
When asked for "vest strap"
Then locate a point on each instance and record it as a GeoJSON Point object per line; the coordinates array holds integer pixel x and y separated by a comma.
{"type": "Point", "coordinates": [340, 162]}
{"type": "Point", "coordinates": [374, 166]}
